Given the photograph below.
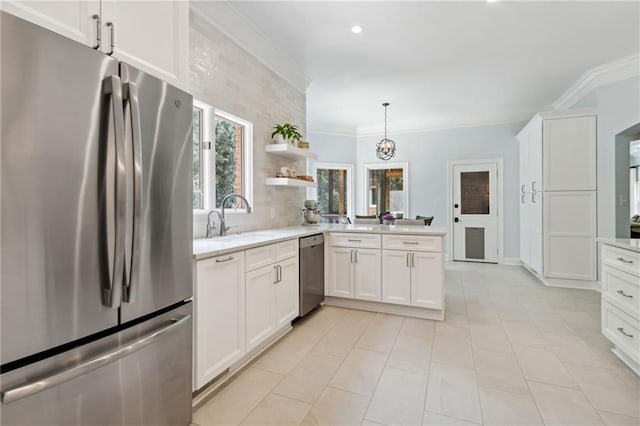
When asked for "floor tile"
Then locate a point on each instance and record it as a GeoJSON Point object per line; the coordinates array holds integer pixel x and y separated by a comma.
{"type": "Point", "coordinates": [453, 324]}
{"type": "Point", "coordinates": [606, 390]}
{"type": "Point", "coordinates": [277, 410]}
{"type": "Point", "coordinates": [286, 354]}
{"type": "Point", "coordinates": [613, 419]}
{"type": "Point", "coordinates": [336, 407]}
{"type": "Point", "coordinates": [563, 406]}
{"type": "Point", "coordinates": [411, 354]}
{"type": "Point", "coordinates": [399, 398]}
{"type": "Point", "coordinates": [523, 333]}
{"type": "Point", "coordinates": [340, 340]}
{"type": "Point", "coordinates": [309, 378]}
{"type": "Point", "coordinates": [499, 370]}
{"type": "Point", "coordinates": [541, 365]}
{"type": "Point", "coordinates": [380, 334]}
{"type": "Point", "coordinates": [453, 392]}
{"type": "Point", "coordinates": [360, 371]}
{"type": "Point", "coordinates": [418, 328]}
{"type": "Point", "coordinates": [486, 336]}
{"type": "Point", "coordinates": [233, 403]}
{"type": "Point", "coordinates": [452, 349]}
{"type": "Point", "coordinates": [433, 419]}
{"type": "Point", "coordinates": [507, 408]}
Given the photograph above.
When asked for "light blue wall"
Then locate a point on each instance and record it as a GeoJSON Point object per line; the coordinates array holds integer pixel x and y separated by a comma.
{"type": "Point", "coordinates": [333, 148]}
{"type": "Point", "coordinates": [428, 153]}
{"type": "Point", "coordinates": [618, 108]}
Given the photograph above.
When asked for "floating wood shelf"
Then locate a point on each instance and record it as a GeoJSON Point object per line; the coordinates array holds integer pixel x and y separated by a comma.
{"type": "Point", "coordinates": [289, 151]}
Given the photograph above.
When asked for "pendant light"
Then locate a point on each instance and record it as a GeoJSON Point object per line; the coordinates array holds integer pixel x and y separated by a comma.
{"type": "Point", "coordinates": [386, 148]}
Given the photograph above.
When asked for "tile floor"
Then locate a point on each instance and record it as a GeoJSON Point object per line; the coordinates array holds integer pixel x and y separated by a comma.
{"type": "Point", "coordinates": [510, 352]}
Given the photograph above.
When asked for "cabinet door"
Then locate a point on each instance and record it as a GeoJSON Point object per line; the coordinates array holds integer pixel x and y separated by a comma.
{"type": "Point", "coordinates": [396, 277]}
{"type": "Point", "coordinates": [570, 235]}
{"type": "Point", "coordinates": [73, 19]}
{"type": "Point", "coordinates": [260, 305]}
{"type": "Point", "coordinates": [341, 272]}
{"type": "Point", "coordinates": [287, 292]}
{"type": "Point", "coordinates": [219, 312]}
{"type": "Point", "coordinates": [427, 279]}
{"type": "Point", "coordinates": [569, 147]}
{"type": "Point", "coordinates": [367, 274]}
{"type": "Point", "coordinates": [152, 36]}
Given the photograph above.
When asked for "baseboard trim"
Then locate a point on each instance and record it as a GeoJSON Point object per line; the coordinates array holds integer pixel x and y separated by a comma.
{"type": "Point", "coordinates": [565, 283]}
{"type": "Point", "coordinates": [386, 308]}
{"type": "Point", "coordinates": [511, 261]}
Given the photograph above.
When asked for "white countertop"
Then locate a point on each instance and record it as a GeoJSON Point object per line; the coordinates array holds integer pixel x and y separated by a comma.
{"type": "Point", "coordinates": [216, 246]}
{"type": "Point", "coordinates": [632, 244]}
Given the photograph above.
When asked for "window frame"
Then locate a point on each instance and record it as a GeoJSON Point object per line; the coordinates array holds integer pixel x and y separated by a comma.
{"type": "Point", "coordinates": [208, 157]}
{"type": "Point", "coordinates": [312, 193]}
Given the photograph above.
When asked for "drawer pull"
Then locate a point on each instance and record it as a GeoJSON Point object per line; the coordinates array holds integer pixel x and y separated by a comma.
{"type": "Point", "coordinates": [224, 260]}
{"type": "Point", "coordinates": [622, 293]}
{"type": "Point", "coordinates": [623, 260]}
{"type": "Point", "coordinates": [354, 241]}
{"type": "Point", "coordinates": [415, 243]}
{"type": "Point", "coordinates": [621, 330]}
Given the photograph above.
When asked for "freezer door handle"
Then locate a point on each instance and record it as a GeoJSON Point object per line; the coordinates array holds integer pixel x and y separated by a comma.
{"type": "Point", "coordinates": [134, 212]}
{"type": "Point", "coordinates": [22, 391]}
{"type": "Point", "coordinates": [115, 197]}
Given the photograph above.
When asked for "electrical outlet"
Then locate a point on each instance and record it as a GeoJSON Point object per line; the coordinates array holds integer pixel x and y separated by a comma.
{"type": "Point", "coordinates": [272, 212]}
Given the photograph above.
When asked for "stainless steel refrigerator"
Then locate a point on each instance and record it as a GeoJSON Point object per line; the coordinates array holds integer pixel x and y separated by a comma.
{"type": "Point", "coordinates": [96, 237]}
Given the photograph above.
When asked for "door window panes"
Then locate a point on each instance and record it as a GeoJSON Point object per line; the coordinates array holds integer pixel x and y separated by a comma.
{"type": "Point", "coordinates": [474, 192]}
{"type": "Point", "coordinates": [385, 192]}
{"type": "Point", "coordinates": [332, 193]}
{"type": "Point", "coordinates": [229, 152]}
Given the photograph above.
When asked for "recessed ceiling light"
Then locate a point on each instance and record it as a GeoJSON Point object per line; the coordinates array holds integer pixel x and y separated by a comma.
{"type": "Point", "coordinates": [356, 29]}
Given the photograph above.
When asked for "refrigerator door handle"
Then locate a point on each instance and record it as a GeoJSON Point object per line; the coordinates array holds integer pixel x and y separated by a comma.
{"type": "Point", "coordinates": [132, 253]}
{"type": "Point", "coordinates": [55, 379]}
{"type": "Point", "coordinates": [115, 199]}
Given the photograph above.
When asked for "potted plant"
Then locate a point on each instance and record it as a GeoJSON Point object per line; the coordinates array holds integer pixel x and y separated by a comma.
{"type": "Point", "coordinates": [286, 132]}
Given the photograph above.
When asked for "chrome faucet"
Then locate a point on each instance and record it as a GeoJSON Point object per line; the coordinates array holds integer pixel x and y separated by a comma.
{"type": "Point", "coordinates": [211, 225]}
{"type": "Point", "coordinates": [223, 227]}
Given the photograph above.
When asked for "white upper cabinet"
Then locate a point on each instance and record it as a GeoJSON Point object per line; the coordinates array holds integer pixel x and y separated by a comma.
{"type": "Point", "coordinates": [77, 20]}
{"type": "Point", "coordinates": [152, 36]}
{"type": "Point", "coordinates": [569, 146]}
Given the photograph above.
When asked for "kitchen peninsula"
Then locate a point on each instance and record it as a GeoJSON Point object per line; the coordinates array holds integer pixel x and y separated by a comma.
{"type": "Point", "coordinates": [246, 285]}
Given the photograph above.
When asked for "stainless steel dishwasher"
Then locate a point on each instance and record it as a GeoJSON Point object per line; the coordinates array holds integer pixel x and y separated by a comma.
{"type": "Point", "coordinates": [311, 272]}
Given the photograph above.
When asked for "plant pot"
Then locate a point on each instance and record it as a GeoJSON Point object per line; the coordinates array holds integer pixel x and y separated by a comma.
{"type": "Point", "coordinates": [279, 139]}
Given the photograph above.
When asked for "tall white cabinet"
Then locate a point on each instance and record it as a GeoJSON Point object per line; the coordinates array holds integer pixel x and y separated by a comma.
{"type": "Point", "coordinates": [558, 197]}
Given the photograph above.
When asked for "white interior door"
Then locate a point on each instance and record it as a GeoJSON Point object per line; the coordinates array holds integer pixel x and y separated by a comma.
{"type": "Point", "coordinates": [475, 214]}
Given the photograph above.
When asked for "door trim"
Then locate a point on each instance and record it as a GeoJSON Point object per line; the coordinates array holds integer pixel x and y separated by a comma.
{"type": "Point", "coordinates": [450, 164]}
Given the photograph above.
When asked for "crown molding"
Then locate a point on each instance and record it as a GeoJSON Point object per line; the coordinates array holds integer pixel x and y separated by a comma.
{"type": "Point", "coordinates": [447, 127]}
{"type": "Point", "coordinates": [226, 18]}
{"type": "Point", "coordinates": [602, 75]}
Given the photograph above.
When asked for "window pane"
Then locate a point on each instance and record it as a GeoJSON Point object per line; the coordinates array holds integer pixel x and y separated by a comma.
{"type": "Point", "coordinates": [229, 141]}
{"type": "Point", "coordinates": [198, 202]}
{"type": "Point", "coordinates": [332, 193]}
{"type": "Point", "coordinates": [474, 192]}
{"type": "Point", "coordinates": [386, 192]}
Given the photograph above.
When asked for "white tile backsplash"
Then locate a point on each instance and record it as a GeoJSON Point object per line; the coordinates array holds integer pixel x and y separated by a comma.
{"type": "Point", "coordinates": [229, 78]}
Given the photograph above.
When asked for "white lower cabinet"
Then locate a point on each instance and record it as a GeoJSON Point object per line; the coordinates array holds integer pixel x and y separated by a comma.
{"type": "Point", "coordinates": [412, 278]}
{"type": "Point", "coordinates": [219, 324]}
{"type": "Point", "coordinates": [354, 273]}
{"type": "Point", "coordinates": [260, 305]}
{"type": "Point", "coordinates": [272, 291]}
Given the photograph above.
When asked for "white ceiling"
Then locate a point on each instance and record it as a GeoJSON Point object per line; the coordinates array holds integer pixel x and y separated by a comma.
{"type": "Point", "coordinates": [439, 64]}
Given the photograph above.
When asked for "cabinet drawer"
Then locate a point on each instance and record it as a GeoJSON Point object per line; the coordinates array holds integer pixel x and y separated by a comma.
{"type": "Point", "coordinates": [355, 240]}
{"type": "Point", "coordinates": [286, 249]}
{"type": "Point", "coordinates": [622, 289]}
{"type": "Point", "coordinates": [260, 256]}
{"type": "Point", "coordinates": [625, 260]}
{"type": "Point", "coordinates": [621, 329]}
{"type": "Point", "coordinates": [412, 242]}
